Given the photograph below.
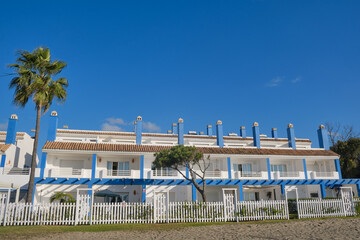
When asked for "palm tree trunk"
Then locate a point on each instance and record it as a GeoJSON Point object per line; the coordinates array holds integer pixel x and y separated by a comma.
{"type": "Point", "coordinates": [34, 154]}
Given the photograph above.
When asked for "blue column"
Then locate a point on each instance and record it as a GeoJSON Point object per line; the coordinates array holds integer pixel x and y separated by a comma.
{"type": "Point", "coordinates": [305, 169]}
{"type": "Point", "coordinates": [323, 136]}
{"type": "Point", "coordinates": [43, 164]}
{"type": "Point", "coordinates": [93, 167]}
{"type": "Point", "coordinates": [209, 130]}
{"type": "Point", "coordinates": [181, 131]}
{"type": "Point", "coordinates": [219, 134]}
{"type": "Point", "coordinates": [358, 189]}
{"type": "Point", "coordinates": [291, 136]}
{"type": "Point", "coordinates": [187, 172]}
{"type": "Point", "coordinates": [256, 134]}
{"type": "Point", "coordinates": [11, 130]}
{"type": "Point", "coordinates": [322, 190]}
{"type": "Point", "coordinates": [274, 133]}
{"type": "Point", "coordinates": [193, 191]}
{"type": "Point", "coordinates": [268, 168]}
{"type": "Point", "coordinates": [138, 129]}
{"type": "Point", "coordinates": [241, 193]}
{"type": "Point", "coordinates": [243, 132]}
{"type": "Point", "coordinates": [33, 195]}
{"type": "Point", "coordinates": [174, 128]}
{"type": "Point", "coordinates": [3, 160]}
{"type": "Point", "coordinates": [282, 186]}
{"type": "Point", "coordinates": [142, 167]}
{"type": "Point", "coordinates": [337, 167]}
{"type": "Point", "coordinates": [53, 125]}
{"type": "Point", "coordinates": [229, 167]}
{"type": "Point", "coordinates": [143, 193]}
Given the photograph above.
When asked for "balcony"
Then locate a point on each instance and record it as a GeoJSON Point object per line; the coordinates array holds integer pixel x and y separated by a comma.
{"type": "Point", "coordinates": [239, 174]}
{"type": "Point", "coordinates": [280, 175]}
{"type": "Point", "coordinates": [324, 175]}
{"type": "Point", "coordinates": [164, 172]}
{"type": "Point", "coordinates": [118, 173]}
{"type": "Point", "coordinates": [69, 172]}
{"type": "Point", "coordinates": [16, 171]}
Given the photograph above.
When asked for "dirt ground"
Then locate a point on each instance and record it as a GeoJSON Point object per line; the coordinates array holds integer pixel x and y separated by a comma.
{"type": "Point", "coordinates": [335, 228]}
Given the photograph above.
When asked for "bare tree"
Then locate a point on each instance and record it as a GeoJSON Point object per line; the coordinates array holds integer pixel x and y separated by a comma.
{"type": "Point", "coordinates": [340, 132]}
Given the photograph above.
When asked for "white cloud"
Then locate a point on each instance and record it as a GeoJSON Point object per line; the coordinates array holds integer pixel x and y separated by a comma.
{"type": "Point", "coordinates": [274, 82]}
{"type": "Point", "coordinates": [151, 127]}
{"type": "Point", "coordinates": [297, 79]}
{"type": "Point", "coordinates": [3, 126]}
{"type": "Point", "coordinates": [111, 127]}
{"type": "Point", "coordinates": [118, 121]}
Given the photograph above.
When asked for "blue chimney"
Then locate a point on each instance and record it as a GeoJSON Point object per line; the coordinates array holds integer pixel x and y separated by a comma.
{"type": "Point", "coordinates": [219, 134]}
{"type": "Point", "coordinates": [274, 133]}
{"type": "Point", "coordinates": [256, 134]}
{"type": "Point", "coordinates": [242, 132]}
{"type": "Point", "coordinates": [291, 136]}
{"type": "Point", "coordinates": [11, 130]}
{"type": "Point", "coordinates": [209, 130]}
{"type": "Point", "coordinates": [138, 129]}
{"type": "Point", "coordinates": [53, 124]}
{"type": "Point", "coordinates": [323, 136]}
{"type": "Point", "coordinates": [174, 128]}
{"type": "Point", "coordinates": [181, 131]}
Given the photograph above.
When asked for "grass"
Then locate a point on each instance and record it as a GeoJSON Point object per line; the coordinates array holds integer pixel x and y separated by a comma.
{"type": "Point", "coordinates": [30, 231]}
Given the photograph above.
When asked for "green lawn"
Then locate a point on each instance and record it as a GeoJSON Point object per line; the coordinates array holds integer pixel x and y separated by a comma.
{"type": "Point", "coordinates": [24, 231]}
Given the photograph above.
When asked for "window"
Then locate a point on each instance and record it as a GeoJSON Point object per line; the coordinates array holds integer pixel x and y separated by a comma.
{"type": "Point", "coordinates": [118, 168]}
{"type": "Point", "coordinates": [281, 168]}
{"type": "Point", "coordinates": [251, 196]}
{"type": "Point", "coordinates": [244, 169]}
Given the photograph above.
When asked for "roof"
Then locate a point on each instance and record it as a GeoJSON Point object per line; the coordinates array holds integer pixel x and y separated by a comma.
{"type": "Point", "coordinates": [169, 135]}
{"type": "Point", "coordinates": [4, 147]}
{"type": "Point", "coordinates": [108, 147]}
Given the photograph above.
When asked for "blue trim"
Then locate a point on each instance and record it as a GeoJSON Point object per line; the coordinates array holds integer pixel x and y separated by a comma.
{"type": "Point", "coordinates": [323, 136]}
{"type": "Point", "coordinates": [53, 124]}
{"type": "Point", "coordinates": [181, 133]}
{"type": "Point", "coordinates": [337, 167]}
{"type": "Point", "coordinates": [256, 136]}
{"type": "Point", "coordinates": [184, 182]}
{"type": "Point", "coordinates": [143, 193]}
{"type": "Point", "coordinates": [193, 193]}
{"type": "Point", "coordinates": [291, 137]}
{"type": "Point", "coordinates": [358, 189]}
{"type": "Point", "coordinates": [323, 190]}
{"type": "Point", "coordinates": [3, 160]}
{"type": "Point", "coordinates": [219, 135]}
{"type": "Point", "coordinates": [209, 130]}
{"type": "Point", "coordinates": [305, 169]}
{"type": "Point", "coordinates": [243, 132]}
{"type": "Point", "coordinates": [241, 193]}
{"type": "Point", "coordinates": [93, 167]}
{"type": "Point", "coordinates": [274, 133]}
{"type": "Point", "coordinates": [229, 167]}
{"type": "Point", "coordinates": [90, 191]}
{"type": "Point", "coordinates": [138, 129]}
{"type": "Point", "coordinates": [43, 164]}
{"type": "Point", "coordinates": [268, 168]}
{"type": "Point", "coordinates": [11, 131]}
{"type": "Point", "coordinates": [187, 172]}
{"type": "Point", "coordinates": [142, 167]}
{"type": "Point", "coordinates": [33, 194]}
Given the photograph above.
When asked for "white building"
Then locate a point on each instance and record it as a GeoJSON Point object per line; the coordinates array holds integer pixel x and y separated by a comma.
{"type": "Point", "coordinates": [259, 166]}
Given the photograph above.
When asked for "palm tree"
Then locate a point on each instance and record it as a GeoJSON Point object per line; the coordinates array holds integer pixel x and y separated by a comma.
{"type": "Point", "coordinates": [34, 72]}
{"type": "Point", "coordinates": [62, 197]}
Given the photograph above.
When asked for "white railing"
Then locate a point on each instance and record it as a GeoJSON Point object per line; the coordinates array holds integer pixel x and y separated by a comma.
{"type": "Point", "coordinates": [278, 174]}
{"type": "Point", "coordinates": [323, 174]}
{"type": "Point", "coordinates": [16, 171]}
{"type": "Point", "coordinates": [66, 172]}
{"type": "Point", "coordinates": [239, 174]}
{"type": "Point", "coordinates": [125, 173]}
{"type": "Point", "coordinates": [164, 172]}
{"type": "Point", "coordinates": [212, 174]}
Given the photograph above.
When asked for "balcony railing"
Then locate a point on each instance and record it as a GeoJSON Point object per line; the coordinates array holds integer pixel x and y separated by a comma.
{"type": "Point", "coordinates": [66, 172]}
{"type": "Point", "coordinates": [120, 173]}
{"type": "Point", "coordinates": [212, 174]}
{"type": "Point", "coordinates": [315, 175]}
{"type": "Point", "coordinates": [16, 171]}
{"type": "Point", "coordinates": [278, 174]}
{"type": "Point", "coordinates": [239, 174]}
{"type": "Point", "coordinates": [161, 172]}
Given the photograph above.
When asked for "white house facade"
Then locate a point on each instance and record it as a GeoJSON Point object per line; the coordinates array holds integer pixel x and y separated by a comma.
{"type": "Point", "coordinates": [260, 167]}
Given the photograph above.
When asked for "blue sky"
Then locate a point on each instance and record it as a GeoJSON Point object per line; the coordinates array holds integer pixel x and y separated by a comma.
{"type": "Point", "coordinates": [274, 62]}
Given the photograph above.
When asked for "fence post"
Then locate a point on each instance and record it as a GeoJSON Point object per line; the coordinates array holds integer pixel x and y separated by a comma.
{"type": "Point", "coordinates": [6, 206]}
